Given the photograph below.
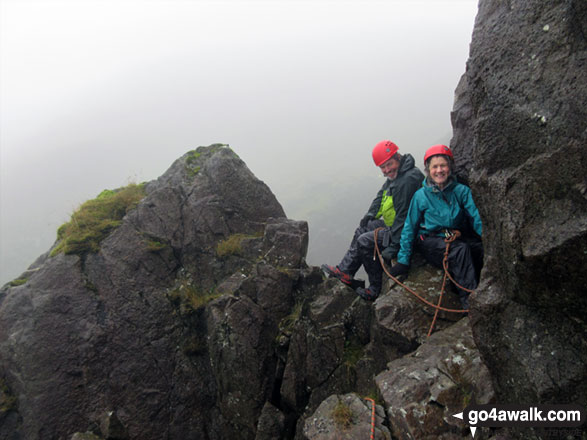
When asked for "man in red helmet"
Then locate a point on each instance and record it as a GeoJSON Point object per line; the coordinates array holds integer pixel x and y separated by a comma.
{"type": "Point", "coordinates": [388, 210]}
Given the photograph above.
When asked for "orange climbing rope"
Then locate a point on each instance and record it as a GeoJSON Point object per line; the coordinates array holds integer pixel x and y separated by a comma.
{"type": "Point", "coordinates": [448, 240]}
{"type": "Point", "coordinates": [372, 417]}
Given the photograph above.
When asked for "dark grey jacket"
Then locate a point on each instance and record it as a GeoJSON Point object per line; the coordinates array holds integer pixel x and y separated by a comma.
{"type": "Point", "coordinates": [409, 179]}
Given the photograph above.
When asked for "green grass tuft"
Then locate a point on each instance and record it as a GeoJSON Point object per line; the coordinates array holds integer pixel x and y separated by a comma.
{"type": "Point", "coordinates": [95, 219]}
{"type": "Point", "coordinates": [192, 157]}
{"type": "Point", "coordinates": [232, 245]}
{"type": "Point", "coordinates": [342, 415]}
{"type": "Point", "coordinates": [155, 246]}
{"type": "Point", "coordinates": [191, 163]}
{"type": "Point", "coordinates": [18, 282]}
{"type": "Point", "coordinates": [286, 325]}
{"type": "Point", "coordinates": [190, 298]}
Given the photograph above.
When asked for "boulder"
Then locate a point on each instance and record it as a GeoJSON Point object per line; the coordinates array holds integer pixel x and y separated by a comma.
{"type": "Point", "coordinates": [519, 136]}
{"type": "Point", "coordinates": [289, 243]}
{"type": "Point", "coordinates": [424, 389]}
{"type": "Point", "coordinates": [346, 417]}
{"type": "Point", "coordinates": [403, 320]}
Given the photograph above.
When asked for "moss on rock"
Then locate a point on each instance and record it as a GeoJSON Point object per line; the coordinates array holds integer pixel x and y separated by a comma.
{"type": "Point", "coordinates": [96, 219]}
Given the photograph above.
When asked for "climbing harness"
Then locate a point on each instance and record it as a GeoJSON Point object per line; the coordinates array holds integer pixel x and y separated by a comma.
{"type": "Point", "coordinates": [450, 236]}
{"type": "Point", "coordinates": [372, 417]}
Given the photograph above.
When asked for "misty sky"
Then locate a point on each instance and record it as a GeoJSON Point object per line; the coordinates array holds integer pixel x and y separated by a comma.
{"type": "Point", "coordinates": [97, 94]}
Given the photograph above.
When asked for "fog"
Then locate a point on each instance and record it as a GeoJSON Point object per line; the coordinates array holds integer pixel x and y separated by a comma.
{"type": "Point", "coordinates": [97, 94]}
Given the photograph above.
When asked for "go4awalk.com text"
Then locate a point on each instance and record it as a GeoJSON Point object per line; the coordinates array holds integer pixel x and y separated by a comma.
{"type": "Point", "coordinates": [520, 416]}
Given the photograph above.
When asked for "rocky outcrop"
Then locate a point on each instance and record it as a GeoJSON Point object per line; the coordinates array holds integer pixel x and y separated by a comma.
{"type": "Point", "coordinates": [419, 394]}
{"type": "Point", "coordinates": [403, 319]}
{"type": "Point", "coordinates": [198, 318]}
{"type": "Point", "coordinates": [520, 135]}
{"type": "Point", "coordinates": [126, 329]}
{"type": "Point", "coordinates": [423, 390]}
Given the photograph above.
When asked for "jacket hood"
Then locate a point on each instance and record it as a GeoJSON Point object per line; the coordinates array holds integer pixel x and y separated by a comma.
{"type": "Point", "coordinates": [406, 163]}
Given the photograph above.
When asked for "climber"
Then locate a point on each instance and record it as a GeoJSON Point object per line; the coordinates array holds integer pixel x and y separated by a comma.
{"type": "Point", "coordinates": [388, 210]}
{"type": "Point", "coordinates": [441, 206]}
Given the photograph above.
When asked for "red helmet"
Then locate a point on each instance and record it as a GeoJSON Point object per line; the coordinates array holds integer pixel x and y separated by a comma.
{"type": "Point", "coordinates": [437, 149]}
{"type": "Point", "coordinates": [384, 151]}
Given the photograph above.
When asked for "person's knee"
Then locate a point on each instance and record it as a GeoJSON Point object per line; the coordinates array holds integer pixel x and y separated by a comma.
{"type": "Point", "coordinates": [432, 249]}
{"type": "Point", "coordinates": [359, 231]}
{"type": "Point", "coordinates": [461, 249]}
{"type": "Point", "coordinates": [365, 241]}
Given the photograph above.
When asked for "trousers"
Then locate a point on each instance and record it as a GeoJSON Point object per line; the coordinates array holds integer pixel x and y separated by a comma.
{"type": "Point", "coordinates": [361, 253]}
{"type": "Point", "coordinates": [465, 258]}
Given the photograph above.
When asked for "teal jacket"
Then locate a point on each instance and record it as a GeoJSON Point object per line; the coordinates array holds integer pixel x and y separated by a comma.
{"type": "Point", "coordinates": [433, 210]}
{"type": "Point", "coordinates": [393, 199]}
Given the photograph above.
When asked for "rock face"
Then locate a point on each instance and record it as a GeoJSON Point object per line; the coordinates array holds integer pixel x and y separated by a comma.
{"type": "Point", "coordinates": [520, 135]}
{"type": "Point", "coordinates": [423, 390]}
{"type": "Point", "coordinates": [118, 330]}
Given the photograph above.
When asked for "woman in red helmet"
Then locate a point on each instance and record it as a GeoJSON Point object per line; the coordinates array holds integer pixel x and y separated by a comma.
{"type": "Point", "coordinates": [388, 210]}
{"type": "Point", "coordinates": [440, 206]}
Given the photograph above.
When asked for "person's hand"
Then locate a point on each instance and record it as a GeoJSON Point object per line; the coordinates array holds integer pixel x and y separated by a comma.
{"type": "Point", "coordinates": [389, 253]}
{"type": "Point", "coordinates": [365, 220]}
{"type": "Point", "coordinates": [399, 269]}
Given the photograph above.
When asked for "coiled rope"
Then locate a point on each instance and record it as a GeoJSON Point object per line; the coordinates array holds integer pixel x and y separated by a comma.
{"type": "Point", "coordinates": [448, 240]}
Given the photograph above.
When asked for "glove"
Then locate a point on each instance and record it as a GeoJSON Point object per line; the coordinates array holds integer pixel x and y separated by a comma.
{"type": "Point", "coordinates": [389, 253]}
{"type": "Point", "coordinates": [365, 220]}
{"type": "Point", "coordinates": [399, 269]}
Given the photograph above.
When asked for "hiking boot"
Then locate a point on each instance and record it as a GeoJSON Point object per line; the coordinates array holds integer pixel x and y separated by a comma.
{"type": "Point", "coordinates": [335, 272]}
{"type": "Point", "coordinates": [369, 294]}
